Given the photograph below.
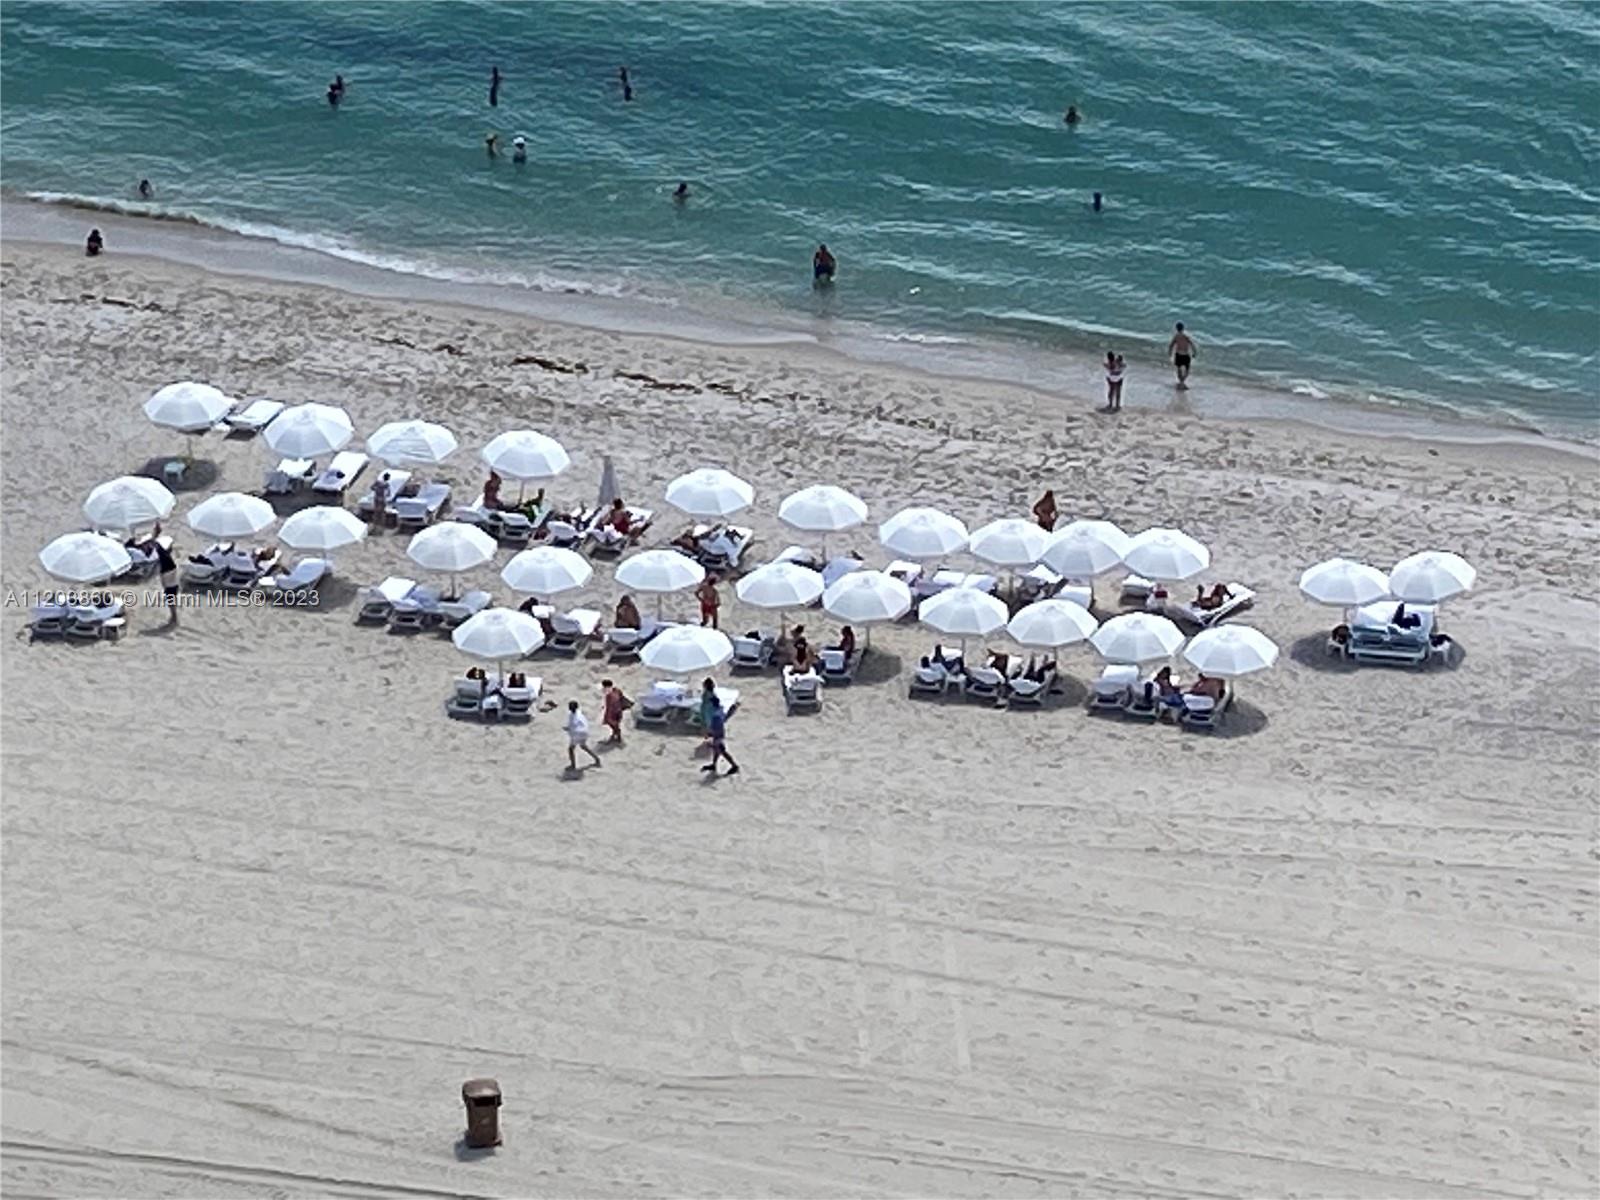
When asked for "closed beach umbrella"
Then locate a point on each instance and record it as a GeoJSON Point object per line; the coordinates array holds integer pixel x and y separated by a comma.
{"type": "Point", "coordinates": [322, 529]}
{"type": "Point", "coordinates": [187, 407]}
{"type": "Point", "coordinates": [920, 533]}
{"type": "Point", "coordinates": [1343, 583]}
{"type": "Point", "coordinates": [1010, 542]}
{"type": "Point", "coordinates": [822, 508]}
{"type": "Point", "coordinates": [780, 585]}
{"type": "Point", "coordinates": [867, 597]}
{"type": "Point", "coordinates": [1136, 638]}
{"type": "Point", "coordinates": [709, 492]}
{"type": "Point", "coordinates": [1049, 624]}
{"type": "Point", "coordinates": [498, 634]}
{"type": "Point", "coordinates": [659, 571]}
{"type": "Point", "coordinates": [1431, 577]}
{"type": "Point", "coordinates": [230, 515]}
{"type": "Point", "coordinates": [1166, 554]}
{"type": "Point", "coordinates": [412, 443]}
{"type": "Point", "coordinates": [609, 491]}
{"type": "Point", "coordinates": [963, 612]}
{"type": "Point", "coordinates": [84, 558]}
{"type": "Point", "coordinates": [309, 430]}
{"type": "Point", "coordinates": [1229, 651]}
{"type": "Point", "coordinates": [127, 503]}
{"type": "Point", "coordinates": [1085, 549]}
{"type": "Point", "coordinates": [685, 649]}
{"type": "Point", "coordinates": [524, 455]}
{"type": "Point", "coordinates": [546, 571]}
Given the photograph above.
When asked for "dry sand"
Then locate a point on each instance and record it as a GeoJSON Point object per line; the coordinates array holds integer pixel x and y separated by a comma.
{"type": "Point", "coordinates": [265, 907]}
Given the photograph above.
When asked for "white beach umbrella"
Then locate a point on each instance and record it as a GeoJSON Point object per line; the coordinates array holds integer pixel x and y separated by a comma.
{"type": "Point", "coordinates": [963, 612]}
{"type": "Point", "coordinates": [127, 503]}
{"type": "Point", "coordinates": [659, 571]}
{"type": "Point", "coordinates": [920, 533]}
{"type": "Point", "coordinates": [546, 571]}
{"type": "Point", "coordinates": [524, 455]}
{"type": "Point", "coordinates": [231, 515]}
{"type": "Point", "coordinates": [1137, 638]}
{"type": "Point", "coordinates": [187, 407]}
{"type": "Point", "coordinates": [1168, 555]}
{"type": "Point", "coordinates": [498, 634]}
{"type": "Point", "coordinates": [322, 529]}
{"type": "Point", "coordinates": [822, 508]}
{"type": "Point", "coordinates": [685, 649]}
{"type": "Point", "coordinates": [866, 597]}
{"type": "Point", "coordinates": [1048, 624]}
{"type": "Point", "coordinates": [709, 492]}
{"type": "Point", "coordinates": [84, 557]}
{"type": "Point", "coordinates": [1085, 549]}
{"type": "Point", "coordinates": [452, 546]}
{"type": "Point", "coordinates": [1009, 542]}
{"type": "Point", "coordinates": [412, 443]}
{"type": "Point", "coordinates": [1229, 651]}
{"type": "Point", "coordinates": [308, 430]}
{"type": "Point", "coordinates": [1343, 583]}
{"type": "Point", "coordinates": [1431, 577]}
{"type": "Point", "coordinates": [780, 585]}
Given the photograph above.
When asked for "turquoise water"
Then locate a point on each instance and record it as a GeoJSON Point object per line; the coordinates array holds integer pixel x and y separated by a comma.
{"type": "Point", "coordinates": [1386, 201]}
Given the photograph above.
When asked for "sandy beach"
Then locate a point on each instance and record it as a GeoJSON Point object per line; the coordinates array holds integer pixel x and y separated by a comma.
{"type": "Point", "coordinates": [266, 908]}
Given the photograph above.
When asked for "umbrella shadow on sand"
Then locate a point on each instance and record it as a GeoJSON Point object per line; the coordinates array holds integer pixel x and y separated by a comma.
{"type": "Point", "coordinates": [198, 473]}
{"type": "Point", "coordinates": [878, 667]}
{"type": "Point", "coordinates": [1312, 651]}
{"type": "Point", "coordinates": [1242, 719]}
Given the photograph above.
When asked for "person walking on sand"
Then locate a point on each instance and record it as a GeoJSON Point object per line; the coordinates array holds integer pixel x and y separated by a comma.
{"type": "Point", "coordinates": [577, 727]}
{"type": "Point", "coordinates": [1114, 371]}
{"type": "Point", "coordinates": [169, 578]}
{"type": "Point", "coordinates": [710, 602]}
{"type": "Point", "coordinates": [717, 727]}
{"type": "Point", "coordinates": [614, 705]}
{"type": "Point", "coordinates": [1181, 349]}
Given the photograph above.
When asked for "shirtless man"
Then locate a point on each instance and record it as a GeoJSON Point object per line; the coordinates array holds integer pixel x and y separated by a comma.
{"type": "Point", "coordinates": [1182, 349]}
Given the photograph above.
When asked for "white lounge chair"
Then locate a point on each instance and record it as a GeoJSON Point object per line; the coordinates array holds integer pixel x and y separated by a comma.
{"type": "Point", "coordinates": [378, 601]}
{"type": "Point", "coordinates": [908, 573]}
{"type": "Point", "coordinates": [983, 683]}
{"type": "Point", "coordinates": [346, 467]}
{"type": "Point", "coordinates": [836, 667]}
{"type": "Point", "coordinates": [417, 609]}
{"type": "Point", "coordinates": [306, 574]}
{"type": "Point", "coordinates": [513, 528]}
{"type": "Point", "coordinates": [801, 557]}
{"type": "Point", "coordinates": [837, 568]}
{"type": "Point", "coordinates": [242, 570]}
{"type": "Point", "coordinates": [516, 703]}
{"type": "Point", "coordinates": [1023, 691]}
{"type": "Point", "coordinates": [562, 533]}
{"type": "Point", "coordinates": [207, 568]}
{"type": "Point", "coordinates": [753, 653]}
{"type": "Point", "coordinates": [603, 539]}
{"type": "Point", "coordinates": [290, 475]}
{"type": "Point", "coordinates": [1136, 589]}
{"type": "Point", "coordinates": [468, 697]}
{"type": "Point", "coordinates": [1144, 701]}
{"type": "Point", "coordinates": [1111, 690]}
{"type": "Point", "coordinates": [254, 416]}
{"type": "Point", "coordinates": [91, 622]}
{"type": "Point", "coordinates": [571, 631]}
{"type": "Point", "coordinates": [1239, 598]}
{"type": "Point", "coordinates": [1202, 712]}
{"type": "Point", "coordinates": [49, 618]}
{"type": "Point", "coordinates": [802, 693]}
{"type": "Point", "coordinates": [660, 704]}
{"type": "Point", "coordinates": [396, 483]}
{"type": "Point", "coordinates": [453, 612]}
{"type": "Point", "coordinates": [422, 509]}
{"type": "Point", "coordinates": [726, 551]}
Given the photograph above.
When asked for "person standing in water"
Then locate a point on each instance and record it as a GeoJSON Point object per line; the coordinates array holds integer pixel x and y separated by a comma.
{"type": "Point", "coordinates": [145, 190]}
{"type": "Point", "coordinates": [491, 145]}
{"type": "Point", "coordinates": [1098, 203]}
{"type": "Point", "coordinates": [494, 88]}
{"type": "Point", "coordinates": [1181, 349]}
{"type": "Point", "coordinates": [627, 87]}
{"type": "Point", "coordinates": [336, 91]}
{"type": "Point", "coordinates": [1072, 117]}
{"type": "Point", "coordinates": [519, 149]}
{"type": "Point", "coordinates": [681, 195]}
{"type": "Point", "coordinates": [823, 265]}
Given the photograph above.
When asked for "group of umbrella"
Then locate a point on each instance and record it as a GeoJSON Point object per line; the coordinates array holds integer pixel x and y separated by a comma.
{"type": "Point", "coordinates": [1081, 550]}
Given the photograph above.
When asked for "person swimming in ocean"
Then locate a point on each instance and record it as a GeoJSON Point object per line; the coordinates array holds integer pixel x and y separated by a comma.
{"type": "Point", "coordinates": [494, 88]}
{"type": "Point", "coordinates": [1098, 203]}
{"type": "Point", "coordinates": [145, 190]}
{"type": "Point", "coordinates": [1072, 117]}
{"type": "Point", "coordinates": [94, 245]}
{"type": "Point", "coordinates": [681, 193]}
{"type": "Point", "coordinates": [491, 144]}
{"type": "Point", "coordinates": [336, 91]}
{"type": "Point", "coordinates": [823, 265]}
{"type": "Point", "coordinates": [519, 149]}
{"type": "Point", "coordinates": [627, 87]}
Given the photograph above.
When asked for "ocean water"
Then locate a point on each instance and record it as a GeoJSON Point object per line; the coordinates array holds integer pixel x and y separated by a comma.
{"type": "Point", "coordinates": [1388, 202]}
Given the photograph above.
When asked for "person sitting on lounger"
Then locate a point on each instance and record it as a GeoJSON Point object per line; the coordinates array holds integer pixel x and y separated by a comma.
{"type": "Point", "coordinates": [720, 544]}
{"type": "Point", "coordinates": [1044, 512]}
{"type": "Point", "coordinates": [950, 662]}
{"type": "Point", "coordinates": [999, 661]}
{"type": "Point", "coordinates": [1207, 686]}
{"type": "Point", "coordinates": [619, 518]}
{"type": "Point", "coordinates": [847, 643]}
{"type": "Point", "coordinates": [1218, 596]}
{"type": "Point", "coordinates": [800, 650]}
{"type": "Point", "coordinates": [627, 615]}
{"type": "Point", "coordinates": [687, 542]}
{"type": "Point", "coordinates": [491, 491]}
{"type": "Point", "coordinates": [531, 603]}
{"type": "Point", "coordinates": [1165, 688]}
{"type": "Point", "coordinates": [1404, 620]}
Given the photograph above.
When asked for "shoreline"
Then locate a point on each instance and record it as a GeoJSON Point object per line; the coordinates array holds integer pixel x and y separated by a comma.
{"type": "Point", "coordinates": [1054, 376]}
